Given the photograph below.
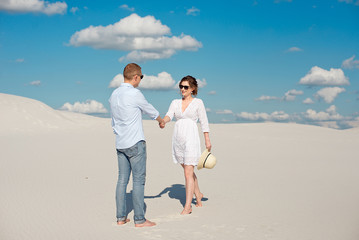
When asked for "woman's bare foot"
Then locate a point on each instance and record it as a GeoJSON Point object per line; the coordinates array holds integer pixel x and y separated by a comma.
{"type": "Point", "coordinates": [146, 224]}
{"type": "Point", "coordinates": [199, 200]}
{"type": "Point", "coordinates": [186, 211]}
{"type": "Point", "coordinates": [123, 222]}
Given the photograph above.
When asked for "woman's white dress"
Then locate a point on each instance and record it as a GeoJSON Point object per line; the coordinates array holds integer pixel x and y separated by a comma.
{"type": "Point", "coordinates": [186, 147]}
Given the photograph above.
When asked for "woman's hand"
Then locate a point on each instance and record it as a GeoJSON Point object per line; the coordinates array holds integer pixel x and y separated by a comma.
{"type": "Point", "coordinates": [208, 146]}
{"type": "Point", "coordinates": [164, 121]}
{"type": "Point", "coordinates": [162, 124]}
{"type": "Point", "coordinates": [207, 141]}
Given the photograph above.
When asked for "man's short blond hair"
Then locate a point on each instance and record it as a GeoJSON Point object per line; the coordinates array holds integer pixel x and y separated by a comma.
{"type": "Point", "coordinates": [131, 70]}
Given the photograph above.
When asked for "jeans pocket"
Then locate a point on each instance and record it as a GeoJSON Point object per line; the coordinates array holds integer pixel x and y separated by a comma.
{"type": "Point", "coordinates": [142, 147]}
{"type": "Point", "coordinates": [132, 151]}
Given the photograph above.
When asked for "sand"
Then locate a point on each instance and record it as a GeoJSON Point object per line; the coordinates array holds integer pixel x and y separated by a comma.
{"type": "Point", "coordinates": [58, 172]}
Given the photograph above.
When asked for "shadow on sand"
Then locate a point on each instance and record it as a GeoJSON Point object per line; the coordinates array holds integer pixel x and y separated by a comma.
{"type": "Point", "coordinates": [129, 203]}
{"type": "Point", "coordinates": [176, 191]}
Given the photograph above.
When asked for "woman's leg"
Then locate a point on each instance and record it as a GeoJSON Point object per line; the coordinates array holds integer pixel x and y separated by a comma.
{"type": "Point", "coordinates": [188, 173]}
{"type": "Point", "coordinates": [197, 192]}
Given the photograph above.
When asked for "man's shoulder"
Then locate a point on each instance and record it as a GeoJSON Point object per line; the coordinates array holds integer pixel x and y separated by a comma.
{"type": "Point", "coordinates": [124, 88]}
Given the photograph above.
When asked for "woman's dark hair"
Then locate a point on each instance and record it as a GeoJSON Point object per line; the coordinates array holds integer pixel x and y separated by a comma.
{"type": "Point", "coordinates": [192, 83]}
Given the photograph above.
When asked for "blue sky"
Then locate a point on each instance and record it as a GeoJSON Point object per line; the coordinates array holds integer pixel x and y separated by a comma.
{"type": "Point", "coordinates": [273, 60]}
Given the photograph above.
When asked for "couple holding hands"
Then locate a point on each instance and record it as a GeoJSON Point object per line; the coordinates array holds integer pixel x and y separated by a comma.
{"type": "Point", "coordinates": [127, 105]}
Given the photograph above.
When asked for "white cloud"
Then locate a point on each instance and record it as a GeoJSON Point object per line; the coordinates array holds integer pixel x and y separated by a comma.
{"type": "Point", "coordinates": [212, 93]}
{"type": "Point", "coordinates": [328, 124]}
{"type": "Point", "coordinates": [201, 83]}
{"type": "Point", "coordinates": [90, 106]}
{"type": "Point", "coordinates": [144, 37]}
{"type": "Point", "coordinates": [193, 11]}
{"type": "Point", "coordinates": [126, 7]}
{"type": "Point", "coordinates": [20, 60]}
{"type": "Point", "coordinates": [33, 6]}
{"type": "Point", "coordinates": [116, 81]}
{"type": "Point", "coordinates": [35, 83]}
{"type": "Point", "coordinates": [294, 49]}
{"type": "Point", "coordinates": [288, 96]}
{"type": "Point", "coordinates": [208, 110]}
{"type": "Point", "coordinates": [352, 123]}
{"type": "Point", "coordinates": [291, 95]}
{"type": "Point", "coordinates": [308, 101]}
{"type": "Point", "coordinates": [266, 98]}
{"type": "Point", "coordinates": [332, 109]}
{"type": "Point", "coordinates": [73, 10]}
{"type": "Point", "coordinates": [141, 56]}
{"type": "Point", "coordinates": [225, 111]}
{"type": "Point", "coordinates": [279, 116]}
{"type": "Point", "coordinates": [329, 114]}
{"type": "Point", "coordinates": [329, 93]}
{"type": "Point", "coordinates": [321, 77]}
{"type": "Point", "coordinates": [328, 118]}
{"type": "Point", "coordinates": [279, 1]}
{"type": "Point", "coordinates": [350, 63]}
{"type": "Point", "coordinates": [275, 116]}
{"type": "Point", "coordinates": [163, 81]}
{"type": "Point", "coordinates": [355, 2]}
{"type": "Point", "coordinates": [225, 120]}
{"type": "Point", "coordinates": [113, 35]}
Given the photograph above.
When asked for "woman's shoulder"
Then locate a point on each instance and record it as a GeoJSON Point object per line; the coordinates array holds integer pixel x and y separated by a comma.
{"type": "Point", "coordinates": [198, 100]}
{"type": "Point", "coordinates": [176, 100]}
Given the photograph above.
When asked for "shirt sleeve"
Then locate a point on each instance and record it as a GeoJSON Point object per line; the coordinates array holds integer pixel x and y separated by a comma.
{"type": "Point", "coordinates": [112, 119]}
{"type": "Point", "coordinates": [171, 110]}
{"type": "Point", "coordinates": [202, 116]}
{"type": "Point", "coordinates": [146, 107]}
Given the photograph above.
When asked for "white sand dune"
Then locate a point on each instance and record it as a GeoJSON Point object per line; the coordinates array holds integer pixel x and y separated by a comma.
{"type": "Point", "coordinates": [58, 173]}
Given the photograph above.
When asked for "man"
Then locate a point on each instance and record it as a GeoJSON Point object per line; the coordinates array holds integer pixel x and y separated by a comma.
{"type": "Point", "coordinates": [127, 105]}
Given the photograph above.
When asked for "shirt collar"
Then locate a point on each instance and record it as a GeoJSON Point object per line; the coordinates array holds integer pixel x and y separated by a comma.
{"type": "Point", "coordinates": [126, 85]}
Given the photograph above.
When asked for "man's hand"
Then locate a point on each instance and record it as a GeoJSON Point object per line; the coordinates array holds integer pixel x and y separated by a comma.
{"type": "Point", "coordinates": [161, 122]}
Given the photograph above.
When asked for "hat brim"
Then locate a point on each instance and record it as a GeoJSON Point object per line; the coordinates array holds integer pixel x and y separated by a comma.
{"type": "Point", "coordinates": [202, 159]}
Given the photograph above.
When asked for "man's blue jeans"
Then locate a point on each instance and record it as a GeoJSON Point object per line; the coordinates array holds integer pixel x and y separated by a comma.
{"type": "Point", "coordinates": [131, 159]}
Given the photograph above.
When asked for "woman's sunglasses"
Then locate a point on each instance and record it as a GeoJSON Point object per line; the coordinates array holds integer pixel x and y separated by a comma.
{"type": "Point", "coordinates": [185, 87]}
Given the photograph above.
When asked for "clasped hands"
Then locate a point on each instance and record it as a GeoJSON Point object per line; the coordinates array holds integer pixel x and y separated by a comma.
{"type": "Point", "coordinates": [162, 124]}
{"type": "Point", "coordinates": [162, 121]}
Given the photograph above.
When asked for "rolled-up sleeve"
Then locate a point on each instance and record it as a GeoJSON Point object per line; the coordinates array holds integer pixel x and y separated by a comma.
{"type": "Point", "coordinates": [146, 107]}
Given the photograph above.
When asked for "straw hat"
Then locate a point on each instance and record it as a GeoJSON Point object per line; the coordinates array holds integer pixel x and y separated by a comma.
{"type": "Point", "coordinates": [207, 160]}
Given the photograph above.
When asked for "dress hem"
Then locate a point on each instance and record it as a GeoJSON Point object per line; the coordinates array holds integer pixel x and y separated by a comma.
{"type": "Point", "coordinates": [192, 164]}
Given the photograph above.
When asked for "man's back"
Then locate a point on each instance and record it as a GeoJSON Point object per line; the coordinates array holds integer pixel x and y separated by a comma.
{"type": "Point", "coordinates": [127, 104]}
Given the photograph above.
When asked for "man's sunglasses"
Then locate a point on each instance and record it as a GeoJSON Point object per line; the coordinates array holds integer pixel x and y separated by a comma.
{"type": "Point", "coordinates": [185, 87]}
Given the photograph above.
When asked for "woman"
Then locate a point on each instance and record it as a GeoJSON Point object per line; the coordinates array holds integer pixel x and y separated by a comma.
{"type": "Point", "coordinates": [186, 148]}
